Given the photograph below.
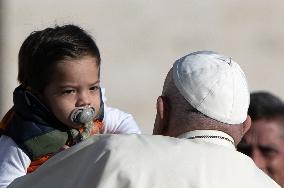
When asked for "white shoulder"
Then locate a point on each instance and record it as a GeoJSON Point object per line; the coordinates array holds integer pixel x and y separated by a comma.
{"type": "Point", "coordinates": [13, 161]}
{"type": "Point", "coordinates": [119, 122]}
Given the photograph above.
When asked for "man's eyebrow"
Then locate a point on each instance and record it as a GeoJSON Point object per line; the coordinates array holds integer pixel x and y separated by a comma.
{"type": "Point", "coordinates": [267, 147]}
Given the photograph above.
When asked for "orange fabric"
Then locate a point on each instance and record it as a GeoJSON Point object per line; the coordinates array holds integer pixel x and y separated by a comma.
{"type": "Point", "coordinates": [100, 125]}
{"type": "Point", "coordinates": [96, 129]}
{"type": "Point", "coordinates": [36, 163]}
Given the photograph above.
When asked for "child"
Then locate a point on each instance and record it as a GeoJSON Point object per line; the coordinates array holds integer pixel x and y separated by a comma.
{"type": "Point", "coordinates": [58, 103]}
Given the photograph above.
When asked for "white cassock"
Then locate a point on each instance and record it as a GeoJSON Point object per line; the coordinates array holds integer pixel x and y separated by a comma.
{"type": "Point", "coordinates": [199, 159]}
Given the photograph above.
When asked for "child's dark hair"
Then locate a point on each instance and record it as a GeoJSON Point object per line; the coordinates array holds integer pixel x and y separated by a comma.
{"type": "Point", "coordinates": [43, 49]}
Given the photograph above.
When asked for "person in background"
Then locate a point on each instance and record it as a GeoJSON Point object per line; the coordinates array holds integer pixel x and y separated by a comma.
{"type": "Point", "coordinates": [265, 140]}
{"type": "Point", "coordinates": [201, 117]}
{"type": "Point", "coordinates": [58, 102]}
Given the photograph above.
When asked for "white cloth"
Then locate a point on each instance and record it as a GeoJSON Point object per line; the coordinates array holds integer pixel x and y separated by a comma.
{"type": "Point", "coordinates": [14, 162]}
{"type": "Point", "coordinates": [214, 85]}
{"type": "Point", "coordinates": [210, 136]}
{"type": "Point", "coordinates": [119, 122]}
{"type": "Point", "coordinates": [140, 161]}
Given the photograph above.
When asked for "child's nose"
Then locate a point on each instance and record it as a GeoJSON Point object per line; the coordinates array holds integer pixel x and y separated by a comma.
{"type": "Point", "coordinates": [83, 99]}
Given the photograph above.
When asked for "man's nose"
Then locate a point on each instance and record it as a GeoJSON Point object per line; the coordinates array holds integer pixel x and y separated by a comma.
{"type": "Point", "coordinates": [83, 99]}
{"type": "Point", "coordinates": [259, 159]}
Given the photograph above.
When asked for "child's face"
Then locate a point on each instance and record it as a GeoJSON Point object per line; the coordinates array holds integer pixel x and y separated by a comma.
{"type": "Point", "coordinates": [74, 83]}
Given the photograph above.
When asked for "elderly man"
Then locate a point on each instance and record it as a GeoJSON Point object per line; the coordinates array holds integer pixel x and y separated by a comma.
{"type": "Point", "coordinates": [264, 141]}
{"type": "Point", "coordinates": [202, 114]}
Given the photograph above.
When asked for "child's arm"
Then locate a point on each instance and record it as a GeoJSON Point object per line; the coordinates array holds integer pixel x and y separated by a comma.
{"type": "Point", "coordinates": [13, 161]}
{"type": "Point", "coordinates": [119, 122]}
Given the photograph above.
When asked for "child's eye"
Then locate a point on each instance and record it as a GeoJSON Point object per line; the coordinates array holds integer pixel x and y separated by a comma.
{"type": "Point", "coordinates": [94, 88]}
{"type": "Point", "coordinates": [68, 91]}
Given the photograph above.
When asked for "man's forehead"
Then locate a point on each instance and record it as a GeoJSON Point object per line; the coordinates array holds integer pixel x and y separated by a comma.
{"type": "Point", "coordinates": [265, 131]}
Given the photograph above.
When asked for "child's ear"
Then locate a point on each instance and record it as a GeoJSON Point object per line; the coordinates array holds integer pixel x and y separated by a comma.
{"type": "Point", "coordinates": [161, 123]}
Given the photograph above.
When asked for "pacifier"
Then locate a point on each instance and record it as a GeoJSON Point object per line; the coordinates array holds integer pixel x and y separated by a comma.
{"type": "Point", "coordinates": [82, 115]}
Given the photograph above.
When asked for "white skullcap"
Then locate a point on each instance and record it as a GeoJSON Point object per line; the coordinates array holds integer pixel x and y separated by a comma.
{"type": "Point", "coordinates": [214, 85]}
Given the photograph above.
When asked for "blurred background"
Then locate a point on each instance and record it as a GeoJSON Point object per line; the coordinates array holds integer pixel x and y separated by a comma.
{"type": "Point", "coordinates": [140, 40]}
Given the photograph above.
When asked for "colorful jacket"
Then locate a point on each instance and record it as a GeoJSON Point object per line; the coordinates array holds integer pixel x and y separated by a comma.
{"type": "Point", "coordinates": [37, 131]}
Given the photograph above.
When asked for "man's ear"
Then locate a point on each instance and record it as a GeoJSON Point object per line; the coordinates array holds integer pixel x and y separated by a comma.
{"type": "Point", "coordinates": [246, 125]}
{"type": "Point", "coordinates": [161, 122]}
